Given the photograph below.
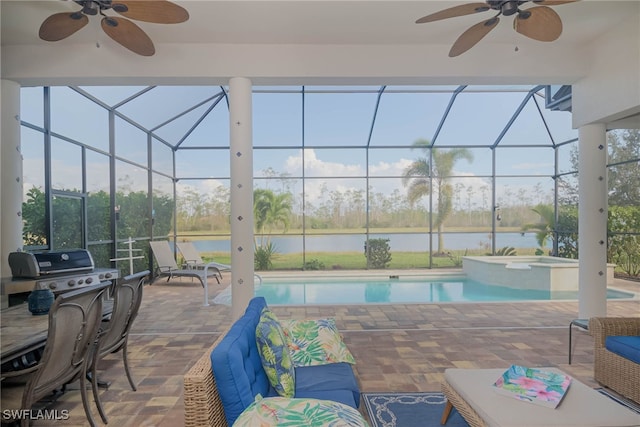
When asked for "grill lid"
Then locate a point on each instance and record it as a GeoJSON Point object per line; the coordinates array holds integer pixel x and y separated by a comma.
{"type": "Point", "coordinates": [36, 264]}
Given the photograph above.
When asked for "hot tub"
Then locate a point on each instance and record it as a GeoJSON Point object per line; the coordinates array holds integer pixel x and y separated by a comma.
{"type": "Point", "coordinates": [542, 273]}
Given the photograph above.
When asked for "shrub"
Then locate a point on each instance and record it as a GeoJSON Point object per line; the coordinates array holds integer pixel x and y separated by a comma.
{"type": "Point", "coordinates": [378, 253]}
{"type": "Point", "coordinates": [313, 264]}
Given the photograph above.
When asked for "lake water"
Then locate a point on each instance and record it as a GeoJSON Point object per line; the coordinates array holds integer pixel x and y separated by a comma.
{"type": "Point", "coordinates": [398, 242]}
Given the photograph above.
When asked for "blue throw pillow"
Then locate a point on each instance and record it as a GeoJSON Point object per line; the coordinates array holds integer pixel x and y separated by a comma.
{"type": "Point", "coordinates": [274, 354]}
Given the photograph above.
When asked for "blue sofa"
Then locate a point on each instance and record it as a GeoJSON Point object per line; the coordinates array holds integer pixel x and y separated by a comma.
{"type": "Point", "coordinates": [239, 376]}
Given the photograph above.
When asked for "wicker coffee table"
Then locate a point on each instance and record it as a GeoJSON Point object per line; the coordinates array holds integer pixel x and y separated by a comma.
{"type": "Point", "coordinates": [470, 392]}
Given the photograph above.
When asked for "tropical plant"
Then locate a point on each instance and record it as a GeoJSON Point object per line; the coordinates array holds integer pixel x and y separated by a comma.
{"type": "Point", "coordinates": [506, 251]}
{"type": "Point", "coordinates": [545, 228]}
{"type": "Point", "coordinates": [263, 257]}
{"type": "Point", "coordinates": [567, 232]}
{"type": "Point", "coordinates": [430, 175]}
{"type": "Point", "coordinates": [270, 210]}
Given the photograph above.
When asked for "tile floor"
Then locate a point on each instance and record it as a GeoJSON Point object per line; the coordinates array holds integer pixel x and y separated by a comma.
{"type": "Point", "coordinates": [397, 347]}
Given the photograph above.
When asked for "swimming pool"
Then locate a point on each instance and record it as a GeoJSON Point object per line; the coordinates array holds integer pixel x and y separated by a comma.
{"type": "Point", "coordinates": [402, 291]}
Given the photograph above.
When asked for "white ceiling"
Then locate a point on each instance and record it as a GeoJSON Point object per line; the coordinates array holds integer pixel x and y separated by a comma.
{"type": "Point", "coordinates": [314, 22]}
{"type": "Point", "coordinates": [356, 42]}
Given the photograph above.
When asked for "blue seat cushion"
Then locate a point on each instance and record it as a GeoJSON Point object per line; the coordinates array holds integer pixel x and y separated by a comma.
{"type": "Point", "coordinates": [334, 381]}
{"type": "Point", "coordinates": [625, 346]}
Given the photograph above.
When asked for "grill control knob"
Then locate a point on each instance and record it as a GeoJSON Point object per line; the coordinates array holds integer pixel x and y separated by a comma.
{"type": "Point", "coordinates": [53, 285]}
{"type": "Point", "coordinates": [71, 282]}
{"type": "Point", "coordinates": [89, 280]}
{"type": "Point", "coordinates": [108, 275]}
{"type": "Point", "coordinates": [80, 281]}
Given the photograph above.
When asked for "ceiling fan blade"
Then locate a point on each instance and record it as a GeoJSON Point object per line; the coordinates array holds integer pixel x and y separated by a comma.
{"type": "Point", "coordinates": [128, 35]}
{"type": "Point", "coordinates": [542, 24]}
{"type": "Point", "coordinates": [472, 36]}
{"type": "Point", "coordinates": [553, 2]}
{"type": "Point", "coordinates": [452, 12]}
{"type": "Point", "coordinates": [157, 11]}
{"type": "Point", "coordinates": [61, 25]}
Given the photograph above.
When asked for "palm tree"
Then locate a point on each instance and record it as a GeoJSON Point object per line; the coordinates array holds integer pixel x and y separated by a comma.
{"type": "Point", "coordinates": [270, 210]}
{"type": "Point", "coordinates": [424, 172]}
{"type": "Point", "coordinates": [545, 227]}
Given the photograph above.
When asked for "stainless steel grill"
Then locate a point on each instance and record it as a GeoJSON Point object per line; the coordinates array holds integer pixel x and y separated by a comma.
{"type": "Point", "coordinates": [66, 282]}
{"type": "Point", "coordinates": [59, 271]}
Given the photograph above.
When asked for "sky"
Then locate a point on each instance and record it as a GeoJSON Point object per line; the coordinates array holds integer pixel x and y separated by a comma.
{"type": "Point", "coordinates": [332, 120]}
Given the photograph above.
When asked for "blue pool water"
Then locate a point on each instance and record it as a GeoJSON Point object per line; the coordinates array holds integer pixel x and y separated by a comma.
{"type": "Point", "coordinates": [419, 290]}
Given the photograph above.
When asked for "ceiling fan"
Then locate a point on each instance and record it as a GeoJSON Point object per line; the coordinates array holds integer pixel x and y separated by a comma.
{"type": "Point", "coordinates": [61, 25]}
{"type": "Point", "coordinates": [538, 22]}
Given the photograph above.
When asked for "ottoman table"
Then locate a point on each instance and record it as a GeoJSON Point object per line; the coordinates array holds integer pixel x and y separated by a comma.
{"type": "Point", "coordinates": [470, 392]}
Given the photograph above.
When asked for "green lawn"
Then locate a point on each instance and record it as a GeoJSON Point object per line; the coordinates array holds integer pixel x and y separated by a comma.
{"type": "Point", "coordinates": [357, 261]}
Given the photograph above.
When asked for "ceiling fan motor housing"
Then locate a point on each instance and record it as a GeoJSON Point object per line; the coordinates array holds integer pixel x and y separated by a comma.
{"type": "Point", "coordinates": [91, 7]}
{"type": "Point", "coordinates": [506, 7]}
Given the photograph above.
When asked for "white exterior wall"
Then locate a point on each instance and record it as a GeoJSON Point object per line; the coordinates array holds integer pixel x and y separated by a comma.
{"type": "Point", "coordinates": [610, 89]}
{"type": "Point", "coordinates": [11, 173]}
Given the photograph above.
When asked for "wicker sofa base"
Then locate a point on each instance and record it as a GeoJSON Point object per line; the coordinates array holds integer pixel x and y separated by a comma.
{"type": "Point", "coordinates": [609, 369]}
{"type": "Point", "coordinates": [202, 404]}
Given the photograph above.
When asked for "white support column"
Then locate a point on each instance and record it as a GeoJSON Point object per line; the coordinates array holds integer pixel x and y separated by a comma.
{"type": "Point", "coordinates": [592, 221]}
{"type": "Point", "coordinates": [240, 121]}
{"type": "Point", "coordinates": [11, 175]}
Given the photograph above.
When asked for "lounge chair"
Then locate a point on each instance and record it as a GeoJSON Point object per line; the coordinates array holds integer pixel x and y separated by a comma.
{"type": "Point", "coordinates": [167, 265]}
{"type": "Point", "coordinates": [192, 258]}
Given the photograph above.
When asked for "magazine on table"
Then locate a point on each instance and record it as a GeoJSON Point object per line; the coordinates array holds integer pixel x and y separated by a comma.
{"type": "Point", "coordinates": [538, 386]}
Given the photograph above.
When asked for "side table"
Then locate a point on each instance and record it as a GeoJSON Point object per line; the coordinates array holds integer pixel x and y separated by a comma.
{"type": "Point", "coordinates": [580, 323]}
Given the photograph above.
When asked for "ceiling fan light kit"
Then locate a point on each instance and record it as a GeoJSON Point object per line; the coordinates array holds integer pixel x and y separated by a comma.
{"type": "Point", "coordinates": [121, 29]}
{"type": "Point", "coordinates": [538, 22]}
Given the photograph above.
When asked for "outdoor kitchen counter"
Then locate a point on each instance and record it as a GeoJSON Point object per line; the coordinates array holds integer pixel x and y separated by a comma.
{"type": "Point", "coordinates": [23, 332]}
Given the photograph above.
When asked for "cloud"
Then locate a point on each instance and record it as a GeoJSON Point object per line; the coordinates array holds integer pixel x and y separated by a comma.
{"type": "Point", "coordinates": [316, 167]}
{"type": "Point", "coordinates": [205, 186]}
{"type": "Point", "coordinates": [317, 189]}
{"type": "Point", "coordinates": [390, 169]}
